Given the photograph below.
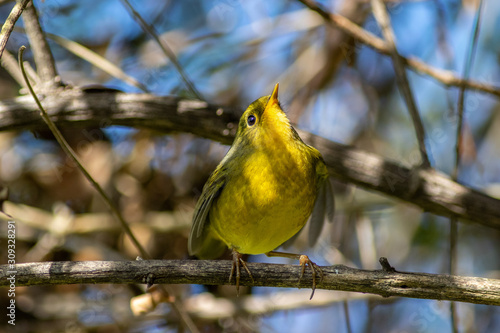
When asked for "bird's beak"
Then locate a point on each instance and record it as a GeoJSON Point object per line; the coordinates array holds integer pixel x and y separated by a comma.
{"type": "Point", "coordinates": [274, 116]}
{"type": "Point", "coordinates": [274, 96]}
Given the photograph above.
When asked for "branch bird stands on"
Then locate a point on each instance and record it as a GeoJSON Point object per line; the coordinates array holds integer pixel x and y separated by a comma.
{"type": "Point", "coordinates": [263, 192]}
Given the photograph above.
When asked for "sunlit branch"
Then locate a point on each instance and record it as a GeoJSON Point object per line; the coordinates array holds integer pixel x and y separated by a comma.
{"type": "Point", "coordinates": [386, 283]}
{"type": "Point", "coordinates": [8, 26]}
{"type": "Point", "coordinates": [444, 76]}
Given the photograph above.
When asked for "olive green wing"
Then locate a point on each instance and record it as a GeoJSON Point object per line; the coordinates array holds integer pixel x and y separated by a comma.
{"type": "Point", "coordinates": [202, 242]}
{"type": "Point", "coordinates": [323, 207]}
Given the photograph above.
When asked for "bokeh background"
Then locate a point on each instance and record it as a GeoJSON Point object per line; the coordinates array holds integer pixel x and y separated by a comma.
{"type": "Point", "coordinates": [234, 51]}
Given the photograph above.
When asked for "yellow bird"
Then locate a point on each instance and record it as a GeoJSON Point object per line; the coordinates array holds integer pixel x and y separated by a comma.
{"type": "Point", "coordinates": [263, 192]}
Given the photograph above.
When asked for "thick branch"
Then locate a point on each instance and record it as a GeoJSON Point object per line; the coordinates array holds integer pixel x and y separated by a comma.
{"type": "Point", "coordinates": [45, 64]}
{"type": "Point", "coordinates": [211, 272]}
{"type": "Point", "coordinates": [431, 190]}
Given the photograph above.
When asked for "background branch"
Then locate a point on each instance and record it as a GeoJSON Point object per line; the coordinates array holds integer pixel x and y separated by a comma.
{"type": "Point", "coordinates": [8, 26]}
{"type": "Point", "coordinates": [429, 189]}
{"type": "Point", "coordinates": [339, 48]}
{"type": "Point", "coordinates": [9, 63]}
{"type": "Point", "coordinates": [97, 60]}
{"type": "Point", "coordinates": [458, 153]}
{"type": "Point", "coordinates": [169, 53]}
{"type": "Point", "coordinates": [45, 63]}
{"type": "Point", "coordinates": [211, 272]}
{"type": "Point", "coordinates": [382, 17]}
{"type": "Point", "coordinates": [444, 76]}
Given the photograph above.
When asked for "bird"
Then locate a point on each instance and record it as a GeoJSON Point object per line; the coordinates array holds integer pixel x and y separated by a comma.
{"type": "Point", "coordinates": [262, 193]}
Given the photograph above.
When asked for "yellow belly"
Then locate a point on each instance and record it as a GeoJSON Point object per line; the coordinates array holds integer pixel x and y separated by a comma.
{"type": "Point", "coordinates": [276, 204]}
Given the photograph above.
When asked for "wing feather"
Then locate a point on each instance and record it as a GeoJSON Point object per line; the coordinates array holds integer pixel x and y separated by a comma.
{"type": "Point", "coordinates": [323, 207]}
{"type": "Point", "coordinates": [199, 230]}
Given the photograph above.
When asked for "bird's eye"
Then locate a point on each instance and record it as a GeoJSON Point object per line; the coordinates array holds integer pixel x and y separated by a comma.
{"type": "Point", "coordinates": [251, 120]}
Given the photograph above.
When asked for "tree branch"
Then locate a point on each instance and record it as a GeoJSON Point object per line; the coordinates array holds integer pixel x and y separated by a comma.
{"type": "Point", "coordinates": [45, 63]}
{"type": "Point", "coordinates": [216, 272]}
{"type": "Point", "coordinates": [431, 190]}
{"type": "Point", "coordinates": [9, 24]}
{"type": "Point", "coordinates": [445, 77]}
{"type": "Point", "coordinates": [382, 17]}
{"type": "Point", "coordinates": [339, 47]}
{"type": "Point", "coordinates": [151, 31]}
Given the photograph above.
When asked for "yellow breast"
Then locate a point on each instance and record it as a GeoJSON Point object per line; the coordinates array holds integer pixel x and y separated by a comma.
{"type": "Point", "coordinates": [280, 190]}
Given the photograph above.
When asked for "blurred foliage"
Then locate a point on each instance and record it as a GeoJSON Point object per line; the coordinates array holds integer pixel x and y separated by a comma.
{"type": "Point", "coordinates": [235, 51]}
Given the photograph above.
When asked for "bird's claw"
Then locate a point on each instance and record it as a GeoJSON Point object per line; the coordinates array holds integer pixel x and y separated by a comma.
{"type": "Point", "coordinates": [237, 261]}
{"type": "Point", "coordinates": [315, 270]}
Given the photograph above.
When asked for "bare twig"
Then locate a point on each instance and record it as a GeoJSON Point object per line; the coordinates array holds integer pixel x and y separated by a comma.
{"type": "Point", "coordinates": [215, 272]}
{"type": "Point", "coordinates": [453, 268]}
{"type": "Point", "coordinates": [445, 77]}
{"type": "Point", "coordinates": [431, 190]}
{"type": "Point", "coordinates": [164, 47]}
{"type": "Point", "coordinates": [460, 109]}
{"type": "Point", "coordinates": [8, 26]}
{"type": "Point", "coordinates": [461, 96]}
{"type": "Point", "coordinates": [347, 317]}
{"type": "Point", "coordinates": [45, 64]}
{"type": "Point", "coordinates": [90, 56]}
{"type": "Point", "coordinates": [382, 17]}
{"type": "Point", "coordinates": [96, 60]}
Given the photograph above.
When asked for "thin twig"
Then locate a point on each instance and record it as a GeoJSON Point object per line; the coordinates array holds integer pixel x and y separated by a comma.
{"type": "Point", "coordinates": [453, 268]}
{"type": "Point", "coordinates": [347, 317]}
{"type": "Point", "coordinates": [165, 48]}
{"type": "Point", "coordinates": [8, 26]}
{"type": "Point", "coordinates": [90, 56]}
{"type": "Point", "coordinates": [96, 60]}
{"type": "Point", "coordinates": [32, 74]}
{"type": "Point", "coordinates": [458, 148]}
{"type": "Point", "coordinates": [45, 63]}
{"type": "Point", "coordinates": [461, 95]}
{"type": "Point", "coordinates": [382, 17]}
{"type": "Point", "coordinates": [445, 77]}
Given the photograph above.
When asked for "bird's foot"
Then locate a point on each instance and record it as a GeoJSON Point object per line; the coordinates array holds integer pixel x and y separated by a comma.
{"type": "Point", "coordinates": [237, 262]}
{"type": "Point", "coordinates": [303, 262]}
{"type": "Point", "coordinates": [315, 269]}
